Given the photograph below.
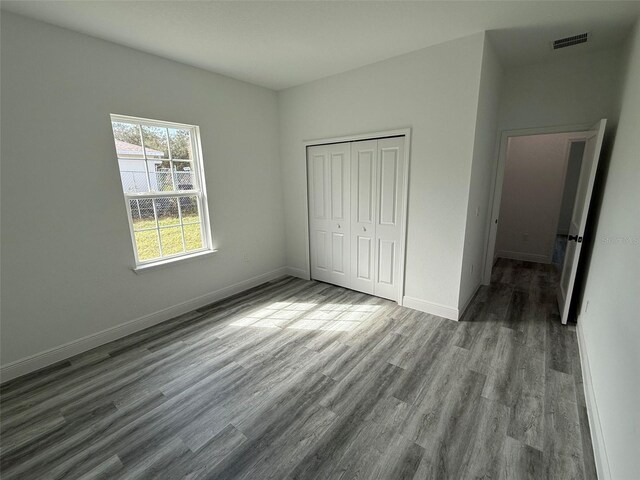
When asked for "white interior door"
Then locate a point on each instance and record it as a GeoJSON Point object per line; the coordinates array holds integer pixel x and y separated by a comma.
{"type": "Point", "coordinates": [329, 183]}
{"type": "Point", "coordinates": [364, 156]}
{"type": "Point", "coordinates": [388, 211]}
{"type": "Point", "coordinates": [579, 216]}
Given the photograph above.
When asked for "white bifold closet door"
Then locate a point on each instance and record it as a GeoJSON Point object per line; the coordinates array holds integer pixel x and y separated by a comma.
{"type": "Point", "coordinates": [355, 201]}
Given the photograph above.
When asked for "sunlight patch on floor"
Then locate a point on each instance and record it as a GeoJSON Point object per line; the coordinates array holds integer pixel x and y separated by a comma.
{"type": "Point", "coordinates": [340, 317]}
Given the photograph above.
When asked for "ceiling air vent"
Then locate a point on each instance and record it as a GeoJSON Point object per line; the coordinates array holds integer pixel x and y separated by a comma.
{"type": "Point", "coordinates": [570, 41]}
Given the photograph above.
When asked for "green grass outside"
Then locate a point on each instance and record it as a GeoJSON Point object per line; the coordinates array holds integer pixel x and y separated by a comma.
{"type": "Point", "coordinates": [147, 241]}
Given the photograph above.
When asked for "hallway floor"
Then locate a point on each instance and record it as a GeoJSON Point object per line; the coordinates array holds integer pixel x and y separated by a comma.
{"type": "Point", "coordinates": [298, 379]}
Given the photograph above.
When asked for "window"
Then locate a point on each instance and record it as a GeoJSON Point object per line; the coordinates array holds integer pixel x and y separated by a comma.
{"type": "Point", "coordinates": [163, 185]}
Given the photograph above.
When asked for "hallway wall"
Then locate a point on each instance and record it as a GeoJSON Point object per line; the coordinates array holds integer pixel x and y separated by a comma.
{"type": "Point", "coordinates": [573, 90]}
{"type": "Point", "coordinates": [532, 192]}
{"type": "Point", "coordinates": [609, 321]}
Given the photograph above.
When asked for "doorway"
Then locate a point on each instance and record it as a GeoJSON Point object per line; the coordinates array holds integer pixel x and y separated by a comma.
{"type": "Point", "coordinates": [542, 192]}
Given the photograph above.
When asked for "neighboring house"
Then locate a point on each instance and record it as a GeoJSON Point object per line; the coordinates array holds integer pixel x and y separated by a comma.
{"type": "Point", "coordinates": [134, 174]}
{"type": "Point", "coordinates": [132, 169]}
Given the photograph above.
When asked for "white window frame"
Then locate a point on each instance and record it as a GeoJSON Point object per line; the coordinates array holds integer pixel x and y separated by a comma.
{"type": "Point", "coordinates": [200, 192]}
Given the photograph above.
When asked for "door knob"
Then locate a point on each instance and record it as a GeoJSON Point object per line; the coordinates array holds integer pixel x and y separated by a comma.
{"type": "Point", "coordinates": [575, 238]}
{"type": "Point", "coordinates": [364, 229]}
{"type": "Point", "coordinates": [338, 225]}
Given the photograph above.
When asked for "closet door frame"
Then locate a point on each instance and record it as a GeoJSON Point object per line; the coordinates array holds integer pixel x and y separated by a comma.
{"type": "Point", "coordinates": [400, 132]}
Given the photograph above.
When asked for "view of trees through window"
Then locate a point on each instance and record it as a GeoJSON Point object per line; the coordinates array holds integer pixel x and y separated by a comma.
{"type": "Point", "coordinates": [154, 138]}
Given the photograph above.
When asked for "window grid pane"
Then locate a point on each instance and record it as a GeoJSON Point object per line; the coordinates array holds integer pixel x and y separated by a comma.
{"type": "Point", "coordinates": [171, 240]}
{"type": "Point", "coordinates": [193, 236]}
{"type": "Point", "coordinates": [134, 181]}
{"type": "Point", "coordinates": [146, 167]}
{"type": "Point", "coordinates": [143, 214]}
{"type": "Point", "coordinates": [180, 143]}
{"type": "Point", "coordinates": [192, 229]}
{"type": "Point", "coordinates": [155, 214]}
{"type": "Point", "coordinates": [184, 247]}
{"type": "Point", "coordinates": [147, 245]}
{"type": "Point", "coordinates": [174, 184]}
{"type": "Point", "coordinates": [168, 220]}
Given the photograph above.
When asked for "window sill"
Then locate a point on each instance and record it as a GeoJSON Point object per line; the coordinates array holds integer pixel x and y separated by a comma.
{"type": "Point", "coordinates": [171, 261]}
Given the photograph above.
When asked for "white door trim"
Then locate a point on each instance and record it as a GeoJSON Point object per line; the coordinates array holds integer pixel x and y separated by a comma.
{"type": "Point", "coordinates": [498, 178]}
{"type": "Point", "coordinates": [400, 132]}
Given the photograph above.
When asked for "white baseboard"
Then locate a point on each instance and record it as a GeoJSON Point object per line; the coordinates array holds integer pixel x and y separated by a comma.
{"type": "Point", "coordinates": [48, 357]}
{"type": "Point", "coordinates": [597, 439]}
{"type": "Point", "coordinates": [429, 307]}
{"type": "Point", "coordinates": [298, 272]}
{"type": "Point", "coordinates": [523, 256]}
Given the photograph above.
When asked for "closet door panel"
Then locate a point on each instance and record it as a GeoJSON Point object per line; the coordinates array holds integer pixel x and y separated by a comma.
{"type": "Point", "coordinates": [386, 263]}
{"type": "Point", "coordinates": [388, 186]}
{"type": "Point", "coordinates": [340, 190]}
{"type": "Point", "coordinates": [364, 254]}
{"type": "Point", "coordinates": [388, 229]}
{"type": "Point", "coordinates": [322, 251]}
{"type": "Point", "coordinates": [337, 252]}
{"type": "Point", "coordinates": [328, 170]}
{"type": "Point", "coordinates": [318, 168]}
{"type": "Point", "coordinates": [365, 186]}
{"type": "Point", "coordinates": [363, 199]}
{"type": "Point", "coordinates": [339, 186]}
{"type": "Point", "coordinates": [318, 185]}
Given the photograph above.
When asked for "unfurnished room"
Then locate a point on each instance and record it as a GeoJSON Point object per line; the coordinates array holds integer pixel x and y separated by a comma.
{"type": "Point", "coordinates": [320, 240]}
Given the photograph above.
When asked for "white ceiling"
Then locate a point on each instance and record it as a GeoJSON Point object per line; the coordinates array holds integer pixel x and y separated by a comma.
{"type": "Point", "coordinates": [282, 44]}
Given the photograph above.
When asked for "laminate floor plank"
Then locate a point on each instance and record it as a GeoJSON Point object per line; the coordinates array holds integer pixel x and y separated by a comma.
{"type": "Point", "coordinates": [110, 468]}
{"type": "Point", "coordinates": [520, 461]}
{"type": "Point", "coordinates": [304, 380]}
{"type": "Point", "coordinates": [527, 411]}
{"type": "Point", "coordinates": [482, 457]}
{"type": "Point", "coordinates": [563, 455]}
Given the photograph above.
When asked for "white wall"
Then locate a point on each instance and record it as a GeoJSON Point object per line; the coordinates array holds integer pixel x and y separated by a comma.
{"type": "Point", "coordinates": [609, 326]}
{"type": "Point", "coordinates": [532, 192]}
{"type": "Point", "coordinates": [571, 180]}
{"type": "Point", "coordinates": [491, 81]}
{"type": "Point", "coordinates": [570, 91]}
{"type": "Point", "coordinates": [66, 247]}
{"type": "Point", "coordinates": [435, 92]}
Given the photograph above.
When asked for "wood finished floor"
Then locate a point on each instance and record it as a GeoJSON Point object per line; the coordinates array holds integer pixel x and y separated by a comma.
{"type": "Point", "coordinates": [298, 379]}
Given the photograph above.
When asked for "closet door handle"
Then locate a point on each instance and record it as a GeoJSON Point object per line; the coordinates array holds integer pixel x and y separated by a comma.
{"type": "Point", "coordinates": [364, 229]}
{"type": "Point", "coordinates": [575, 238]}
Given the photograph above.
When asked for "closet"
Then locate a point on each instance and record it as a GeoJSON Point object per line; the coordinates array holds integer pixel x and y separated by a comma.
{"type": "Point", "coordinates": [355, 211]}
